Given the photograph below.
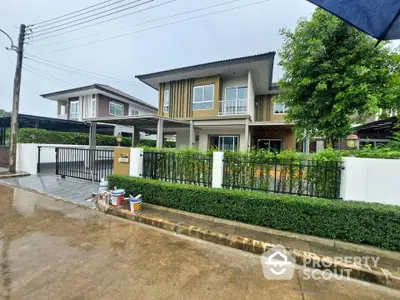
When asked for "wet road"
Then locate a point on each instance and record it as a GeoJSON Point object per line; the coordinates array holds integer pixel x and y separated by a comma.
{"type": "Point", "coordinates": [55, 250]}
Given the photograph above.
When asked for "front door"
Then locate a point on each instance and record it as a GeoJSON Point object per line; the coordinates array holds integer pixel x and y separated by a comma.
{"type": "Point", "coordinates": [273, 145]}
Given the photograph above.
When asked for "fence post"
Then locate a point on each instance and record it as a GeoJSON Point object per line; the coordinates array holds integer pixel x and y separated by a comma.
{"type": "Point", "coordinates": [136, 162]}
{"type": "Point", "coordinates": [57, 160]}
{"type": "Point", "coordinates": [218, 169]}
{"type": "Point", "coordinates": [38, 160]}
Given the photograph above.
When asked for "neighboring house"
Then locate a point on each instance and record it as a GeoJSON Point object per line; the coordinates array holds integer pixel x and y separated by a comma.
{"type": "Point", "coordinates": [99, 100]}
{"type": "Point", "coordinates": [229, 103]}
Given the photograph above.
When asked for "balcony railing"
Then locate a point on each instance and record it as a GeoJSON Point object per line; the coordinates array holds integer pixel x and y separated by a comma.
{"type": "Point", "coordinates": [232, 107]}
{"type": "Point", "coordinates": [63, 116]}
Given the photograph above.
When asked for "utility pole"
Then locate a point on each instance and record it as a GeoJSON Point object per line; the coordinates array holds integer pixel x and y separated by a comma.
{"type": "Point", "coordinates": [15, 107]}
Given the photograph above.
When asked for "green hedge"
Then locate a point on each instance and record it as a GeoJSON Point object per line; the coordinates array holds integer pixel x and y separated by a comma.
{"type": "Point", "coordinates": [351, 221]}
{"type": "Point", "coordinates": [42, 136]}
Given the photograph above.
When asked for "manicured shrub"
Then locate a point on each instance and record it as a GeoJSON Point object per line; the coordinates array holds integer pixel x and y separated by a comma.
{"type": "Point", "coordinates": [351, 221]}
{"type": "Point", "coordinates": [42, 136]}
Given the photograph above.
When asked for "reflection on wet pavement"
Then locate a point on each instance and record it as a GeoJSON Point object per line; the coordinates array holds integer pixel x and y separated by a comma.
{"type": "Point", "coordinates": [56, 250]}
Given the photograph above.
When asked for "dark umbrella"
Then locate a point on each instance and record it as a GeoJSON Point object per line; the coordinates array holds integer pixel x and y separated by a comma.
{"type": "Point", "coordinates": [378, 18]}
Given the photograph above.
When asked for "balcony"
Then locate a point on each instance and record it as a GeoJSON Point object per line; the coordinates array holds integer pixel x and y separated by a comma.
{"type": "Point", "coordinates": [63, 116]}
{"type": "Point", "coordinates": [232, 107]}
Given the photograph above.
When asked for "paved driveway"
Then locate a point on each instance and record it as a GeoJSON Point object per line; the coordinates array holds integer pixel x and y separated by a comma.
{"type": "Point", "coordinates": [56, 250]}
{"type": "Point", "coordinates": [76, 190]}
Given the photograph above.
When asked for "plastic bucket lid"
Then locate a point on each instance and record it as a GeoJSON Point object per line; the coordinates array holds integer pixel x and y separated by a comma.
{"type": "Point", "coordinates": [118, 192]}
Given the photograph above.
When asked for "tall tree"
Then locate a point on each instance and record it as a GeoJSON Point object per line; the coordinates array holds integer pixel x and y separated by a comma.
{"type": "Point", "coordinates": [333, 76]}
{"type": "Point", "coordinates": [4, 113]}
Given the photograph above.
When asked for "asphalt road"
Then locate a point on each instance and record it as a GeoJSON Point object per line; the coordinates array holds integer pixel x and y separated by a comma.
{"type": "Point", "coordinates": [56, 250]}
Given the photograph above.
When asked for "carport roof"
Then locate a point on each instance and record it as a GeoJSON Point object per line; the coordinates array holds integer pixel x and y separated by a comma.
{"type": "Point", "coordinates": [145, 123]}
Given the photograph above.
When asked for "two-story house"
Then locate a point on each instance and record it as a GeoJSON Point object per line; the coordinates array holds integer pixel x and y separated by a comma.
{"type": "Point", "coordinates": [99, 100]}
{"type": "Point", "coordinates": [228, 102]}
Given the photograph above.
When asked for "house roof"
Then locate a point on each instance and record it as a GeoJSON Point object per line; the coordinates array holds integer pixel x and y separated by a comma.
{"type": "Point", "coordinates": [102, 88]}
{"type": "Point", "coordinates": [209, 68]}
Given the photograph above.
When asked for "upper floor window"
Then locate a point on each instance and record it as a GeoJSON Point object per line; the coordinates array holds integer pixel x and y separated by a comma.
{"type": "Point", "coordinates": [166, 101]}
{"type": "Point", "coordinates": [203, 97]}
{"type": "Point", "coordinates": [94, 109]}
{"type": "Point", "coordinates": [116, 109]}
{"type": "Point", "coordinates": [280, 108]}
{"type": "Point", "coordinates": [236, 93]}
{"type": "Point", "coordinates": [75, 110]}
{"type": "Point", "coordinates": [134, 112]}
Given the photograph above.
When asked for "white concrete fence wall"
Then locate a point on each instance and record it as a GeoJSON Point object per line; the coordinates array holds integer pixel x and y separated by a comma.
{"type": "Point", "coordinates": [371, 180]}
{"type": "Point", "coordinates": [27, 155]}
{"type": "Point", "coordinates": [362, 179]}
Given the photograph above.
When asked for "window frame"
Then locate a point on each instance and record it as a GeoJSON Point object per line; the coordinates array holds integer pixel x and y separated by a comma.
{"type": "Point", "coordinates": [284, 108]}
{"type": "Point", "coordinates": [166, 106]}
{"type": "Point", "coordinates": [72, 103]}
{"type": "Point", "coordinates": [202, 102]}
{"type": "Point", "coordinates": [94, 107]}
{"type": "Point", "coordinates": [237, 92]}
{"type": "Point", "coordinates": [237, 137]}
{"type": "Point", "coordinates": [269, 142]}
{"type": "Point", "coordinates": [116, 104]}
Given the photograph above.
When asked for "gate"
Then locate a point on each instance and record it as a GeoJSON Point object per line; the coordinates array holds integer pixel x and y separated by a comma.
{"type": "Point", "coordinates": [4, 156]}
{"type": "Point", "coordinates": [86, 164]}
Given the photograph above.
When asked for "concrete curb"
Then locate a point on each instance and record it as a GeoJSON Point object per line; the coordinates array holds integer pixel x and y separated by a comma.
{"type": "Point", "coordinates": [371, 250]}
{"type": "Point", "coordinates": [18, 174]}
{"type": "Point", "coordinates": [303, 258]}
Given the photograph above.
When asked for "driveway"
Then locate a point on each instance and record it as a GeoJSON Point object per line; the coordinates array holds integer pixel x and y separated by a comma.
{"type": "Point", "coordinates": [56, 250]}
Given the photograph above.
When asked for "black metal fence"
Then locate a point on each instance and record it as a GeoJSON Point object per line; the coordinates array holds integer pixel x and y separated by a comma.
{"type": "Point", "coordinates": [178, 167]}
{"type": "Point", "coordinates": [84, 163]}
{"type": "Point", "coordinates": [301, 177]}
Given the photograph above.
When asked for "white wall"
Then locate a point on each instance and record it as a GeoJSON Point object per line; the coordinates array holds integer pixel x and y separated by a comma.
{"type": "Point", "coordinates": [371, 180]}
{"type": "Point", "coordinates": [251, 95]}
{"type": "Point", "coordinates": [182, 139]}
{"type": "Point", "coordinates": [27, 155]}
{"type": "Point", "coordinates": [142, 110]}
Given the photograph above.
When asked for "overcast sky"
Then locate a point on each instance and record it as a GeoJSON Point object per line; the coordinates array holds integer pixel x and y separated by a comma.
{"type": "Point", "coordinates": [239, 32]}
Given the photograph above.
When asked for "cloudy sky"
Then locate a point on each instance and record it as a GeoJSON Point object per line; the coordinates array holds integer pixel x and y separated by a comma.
{"type": "Point", "coordinates": [245, 27]}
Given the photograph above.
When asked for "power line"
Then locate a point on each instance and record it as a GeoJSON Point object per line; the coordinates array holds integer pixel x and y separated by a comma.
{"type": "Point", "coordinates": [71, 13]}
{"type": "Point", "coordinates": [81, 72]}
{"type": "Point", "coordinates": [100, 17]}
{"type": "Point", "coordinates": [159, 26]}
{"type": "Point", "coordinates": [81, 14]}
{"type": "Point", "coordinates": [143, 23]}
{"type": "Point", "coordinates": [55, 80]}
{"type": "Point", "coordinates": [96, 14]}
{"type": "Point", "coordinates": [118, 17]}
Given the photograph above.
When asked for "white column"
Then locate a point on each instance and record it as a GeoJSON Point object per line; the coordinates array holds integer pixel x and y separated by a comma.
{"type": "Point", "coordinates": [160, 133]}
{"type": "Point", "coordinates": [218, 169]}
{"type": "Point", "coordinates": [136, 162]}
{"type": "Point", "coordinates": [247, 135]}
{"type": "Point", "coordinates": [192, 135]}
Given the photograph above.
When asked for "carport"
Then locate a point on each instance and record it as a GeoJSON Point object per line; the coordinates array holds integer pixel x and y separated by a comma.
{"type": "Point", "coordinates": [150, 124]}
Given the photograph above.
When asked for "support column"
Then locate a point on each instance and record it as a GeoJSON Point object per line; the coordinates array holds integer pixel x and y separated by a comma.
{"type": "Point", "coordinates": [306, 145]}
{"type": "Point", "coordinates": [92, 145]}
{"type": "Point", "coordinates": [160, 133]}
{"type": "Point", "coordinates": [247, 135]}
{"type": "Point", "coordinates": [92, 135]}
{"type": "Point", "coordinates": [192, 135]}
{"type": "Point", "coordinates": [135, 136]}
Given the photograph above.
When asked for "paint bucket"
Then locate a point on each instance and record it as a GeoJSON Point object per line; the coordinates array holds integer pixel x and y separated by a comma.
{"type": "Point", "coordinates": [117, 197]}
{"type": "Point", "coordinates": [136, 203]}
